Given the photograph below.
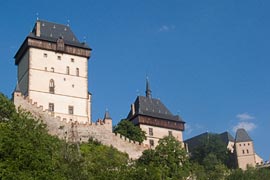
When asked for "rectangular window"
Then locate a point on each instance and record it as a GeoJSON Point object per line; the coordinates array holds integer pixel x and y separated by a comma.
{"type": "Point", "coordinates": [72, 59]}
{"type": "Point", "coordinates": [51, 107]}
{"type": "Point", "coordinates": [59, 57]}
{"type": "Point", "coordinates": [170, 133]}
{"type": "Point", "coordinates": [151, 142]}
{"type": "Point", "coordinates": [52, 69]}
{"type": "Point", "coordinates": [243, 151]}
{"type": "Point", "coordinates": [45, 55]}
{"type": "Point", "coordinates": [70, 110]}
{"type": "Point", "coordinates": [67, 69]}
{"type": "Point", "coordinates": [77, 71]}
{"type": "Point", "coordinates": [247, 151]}
{"type": "Point", "coordinates": [151, 132]}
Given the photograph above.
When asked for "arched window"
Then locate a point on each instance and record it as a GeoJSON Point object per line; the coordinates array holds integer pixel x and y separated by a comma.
{"type": "Point", "coordinates": [77, 71]}
{"type": "Point", "coordinates": [51, 86]}
{"type": "Point", "coordinates": [67, 69]}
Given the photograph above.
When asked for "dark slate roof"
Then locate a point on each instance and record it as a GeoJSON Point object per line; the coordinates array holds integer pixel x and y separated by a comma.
{"type": "Point", "coordinates": [242, 136]}
{"type": "Point", "coordinates": [50, 31]}
{"type": "Point", "coordinates": [107, 115]}
{"type": "Point", "coordinates": [196, 141]}
{"type": "Point", "coordinates": [226, 137]}
{"type": "Point", "coordinates": [152, 107]}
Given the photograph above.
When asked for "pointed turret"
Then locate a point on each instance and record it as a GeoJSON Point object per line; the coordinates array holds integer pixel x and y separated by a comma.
{"type": "Point", "coordinates": [16, 93]}
{"type": "Point", "coordinates": [107, 115]}
{"type": "Point", "coordinates": [107, 121]}
{"type": "Point", "coordinates": [148, 91]}
{"type": "Point", "coordinates": [242, 135]}
{"type": "Point", "coordinates": [17, 88]}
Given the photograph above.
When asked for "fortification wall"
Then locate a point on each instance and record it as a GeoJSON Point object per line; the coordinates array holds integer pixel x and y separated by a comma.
{"type": "Point", "coordinates": [77, 132]}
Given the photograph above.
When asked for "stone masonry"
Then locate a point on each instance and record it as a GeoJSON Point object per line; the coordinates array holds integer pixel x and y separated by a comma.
{"type": "Point", "coordinates": [79, 132]}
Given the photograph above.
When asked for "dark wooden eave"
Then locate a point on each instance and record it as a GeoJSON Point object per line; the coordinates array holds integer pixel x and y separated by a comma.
{"type": "Point", "coordinates": [158, 122]}
{"type": "Point", "coordinates": [51, 46]}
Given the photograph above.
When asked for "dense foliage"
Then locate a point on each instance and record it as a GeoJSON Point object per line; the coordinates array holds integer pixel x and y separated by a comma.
{"type": "Point", "coordinates": [129, 130]}
{"type": "Point", "coordinates": [168, 157]}
{"type": "Point", "coordinates": [28, 152]}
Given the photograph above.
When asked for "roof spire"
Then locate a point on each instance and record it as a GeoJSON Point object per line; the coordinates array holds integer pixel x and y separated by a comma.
{"type": "Point", "coordinates": [148, 91]}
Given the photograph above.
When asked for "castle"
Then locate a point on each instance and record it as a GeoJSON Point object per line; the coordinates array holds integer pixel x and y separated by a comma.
{"type": "Point", "coordinates": [53, 86]}
{"type": "Point", "coordinates": [242, 147]}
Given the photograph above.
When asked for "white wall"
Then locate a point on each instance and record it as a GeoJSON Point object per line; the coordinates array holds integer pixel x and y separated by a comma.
{"type": "Point", "coordinates": [159, 133]}
{"type": "Point", "coordinates": [70, 89]}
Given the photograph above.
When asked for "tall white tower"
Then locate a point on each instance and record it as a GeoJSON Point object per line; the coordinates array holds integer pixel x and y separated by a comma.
{"type": "Point", "coordinates": [53, 71]}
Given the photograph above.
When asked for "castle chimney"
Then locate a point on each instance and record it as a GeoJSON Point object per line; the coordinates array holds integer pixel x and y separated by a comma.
{"type": "Point", "coordinates": [133, 109]}
{"type": "Point", "coordinates": [38, 29]}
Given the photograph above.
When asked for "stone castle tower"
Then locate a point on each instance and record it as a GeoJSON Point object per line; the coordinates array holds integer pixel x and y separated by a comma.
{"type": "Point", "coordinates": [53, 71]}
{"type": "Point", "coordinates": [244, 150]}
{"type": "Point", "coordinates": [153, 117]}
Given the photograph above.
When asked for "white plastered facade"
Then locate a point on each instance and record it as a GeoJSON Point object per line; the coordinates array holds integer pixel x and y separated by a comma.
{"type": "Point", "coordinates": [38, 67]}
{"type": "Point", "coordinates": [159, 133]}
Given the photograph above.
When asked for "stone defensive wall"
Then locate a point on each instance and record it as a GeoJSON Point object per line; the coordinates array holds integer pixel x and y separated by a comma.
{"type": "Point", "coordinates": [79, 132]}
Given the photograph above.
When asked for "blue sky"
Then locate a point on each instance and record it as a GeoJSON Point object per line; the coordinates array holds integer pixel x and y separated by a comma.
{"type": "Point", "coordinates": [207, 61]}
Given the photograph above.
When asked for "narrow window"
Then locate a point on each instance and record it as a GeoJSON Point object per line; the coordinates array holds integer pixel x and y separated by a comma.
{"type": "Point", "coordinates": [59, 57]}
{"type": "Point", "coordinates": [247, 151]}
{"type": "Point", "coordinates": [67, 69]}
{"type": "Point", "coordinates": [52, 69]}
{"type": "Point", "coordinates": [72, 59]}
{"type": "Point", "coordinates": [170, 133]}
{"type": "Point", "coordinates": [243, 151]}
{"type": "Point", "coordinates": [151, 142]}
{"type": "Point", "coordinates": [151, 132]}
{"type": "Point", "coordinates": [77, 71]}
{"type": "Point", "coordinates": [45, 55]}
{"type": "Point", "coordinates": [51, 107]}
{"type": "Point", "coordinates": [51, 86]}
{"type": "Point", "coordinates": [70, 109]}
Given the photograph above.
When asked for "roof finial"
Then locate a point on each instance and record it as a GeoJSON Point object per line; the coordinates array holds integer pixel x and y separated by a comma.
{"type": "Point", "coordinates": [37, 16]}
{"type": "Point", "coordinates": [148, 91]}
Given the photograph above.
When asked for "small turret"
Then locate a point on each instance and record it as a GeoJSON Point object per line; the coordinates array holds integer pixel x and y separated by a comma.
{"type": "Point", "coordinates": [17, 88]}
{"type": "Point", "coordinates": [107, 121]}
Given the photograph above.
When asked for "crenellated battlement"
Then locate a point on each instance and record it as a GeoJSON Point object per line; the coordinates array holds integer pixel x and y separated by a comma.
{"type": "Point", "coordinates": [80, 132]}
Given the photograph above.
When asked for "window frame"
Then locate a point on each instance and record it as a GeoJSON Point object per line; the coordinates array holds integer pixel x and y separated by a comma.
{"type": "Point", "coordinates": [52, 86]}
{"type": "Point", "coordinates": [51, 107]}
{"type": "Point", "coordinates": [67, 70]}
{"type": "Point", "coordinates": [70, 110]}
{"type": "Point", "coordinates": [151, 132]}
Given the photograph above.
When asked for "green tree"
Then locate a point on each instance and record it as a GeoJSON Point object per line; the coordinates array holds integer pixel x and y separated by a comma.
{"type": "Point", "coordinates": [129, 130]}
{"type": "Point", "coordinates": [26, 149]}
{"type": "Point", "coordinates": [7, 108]}
{"type": "Point", "coordinates": [211, 144]}
{"type": "Point", "coordinates": [169, 157]}
{"type": "Point", "coordinates": [250, 174]}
